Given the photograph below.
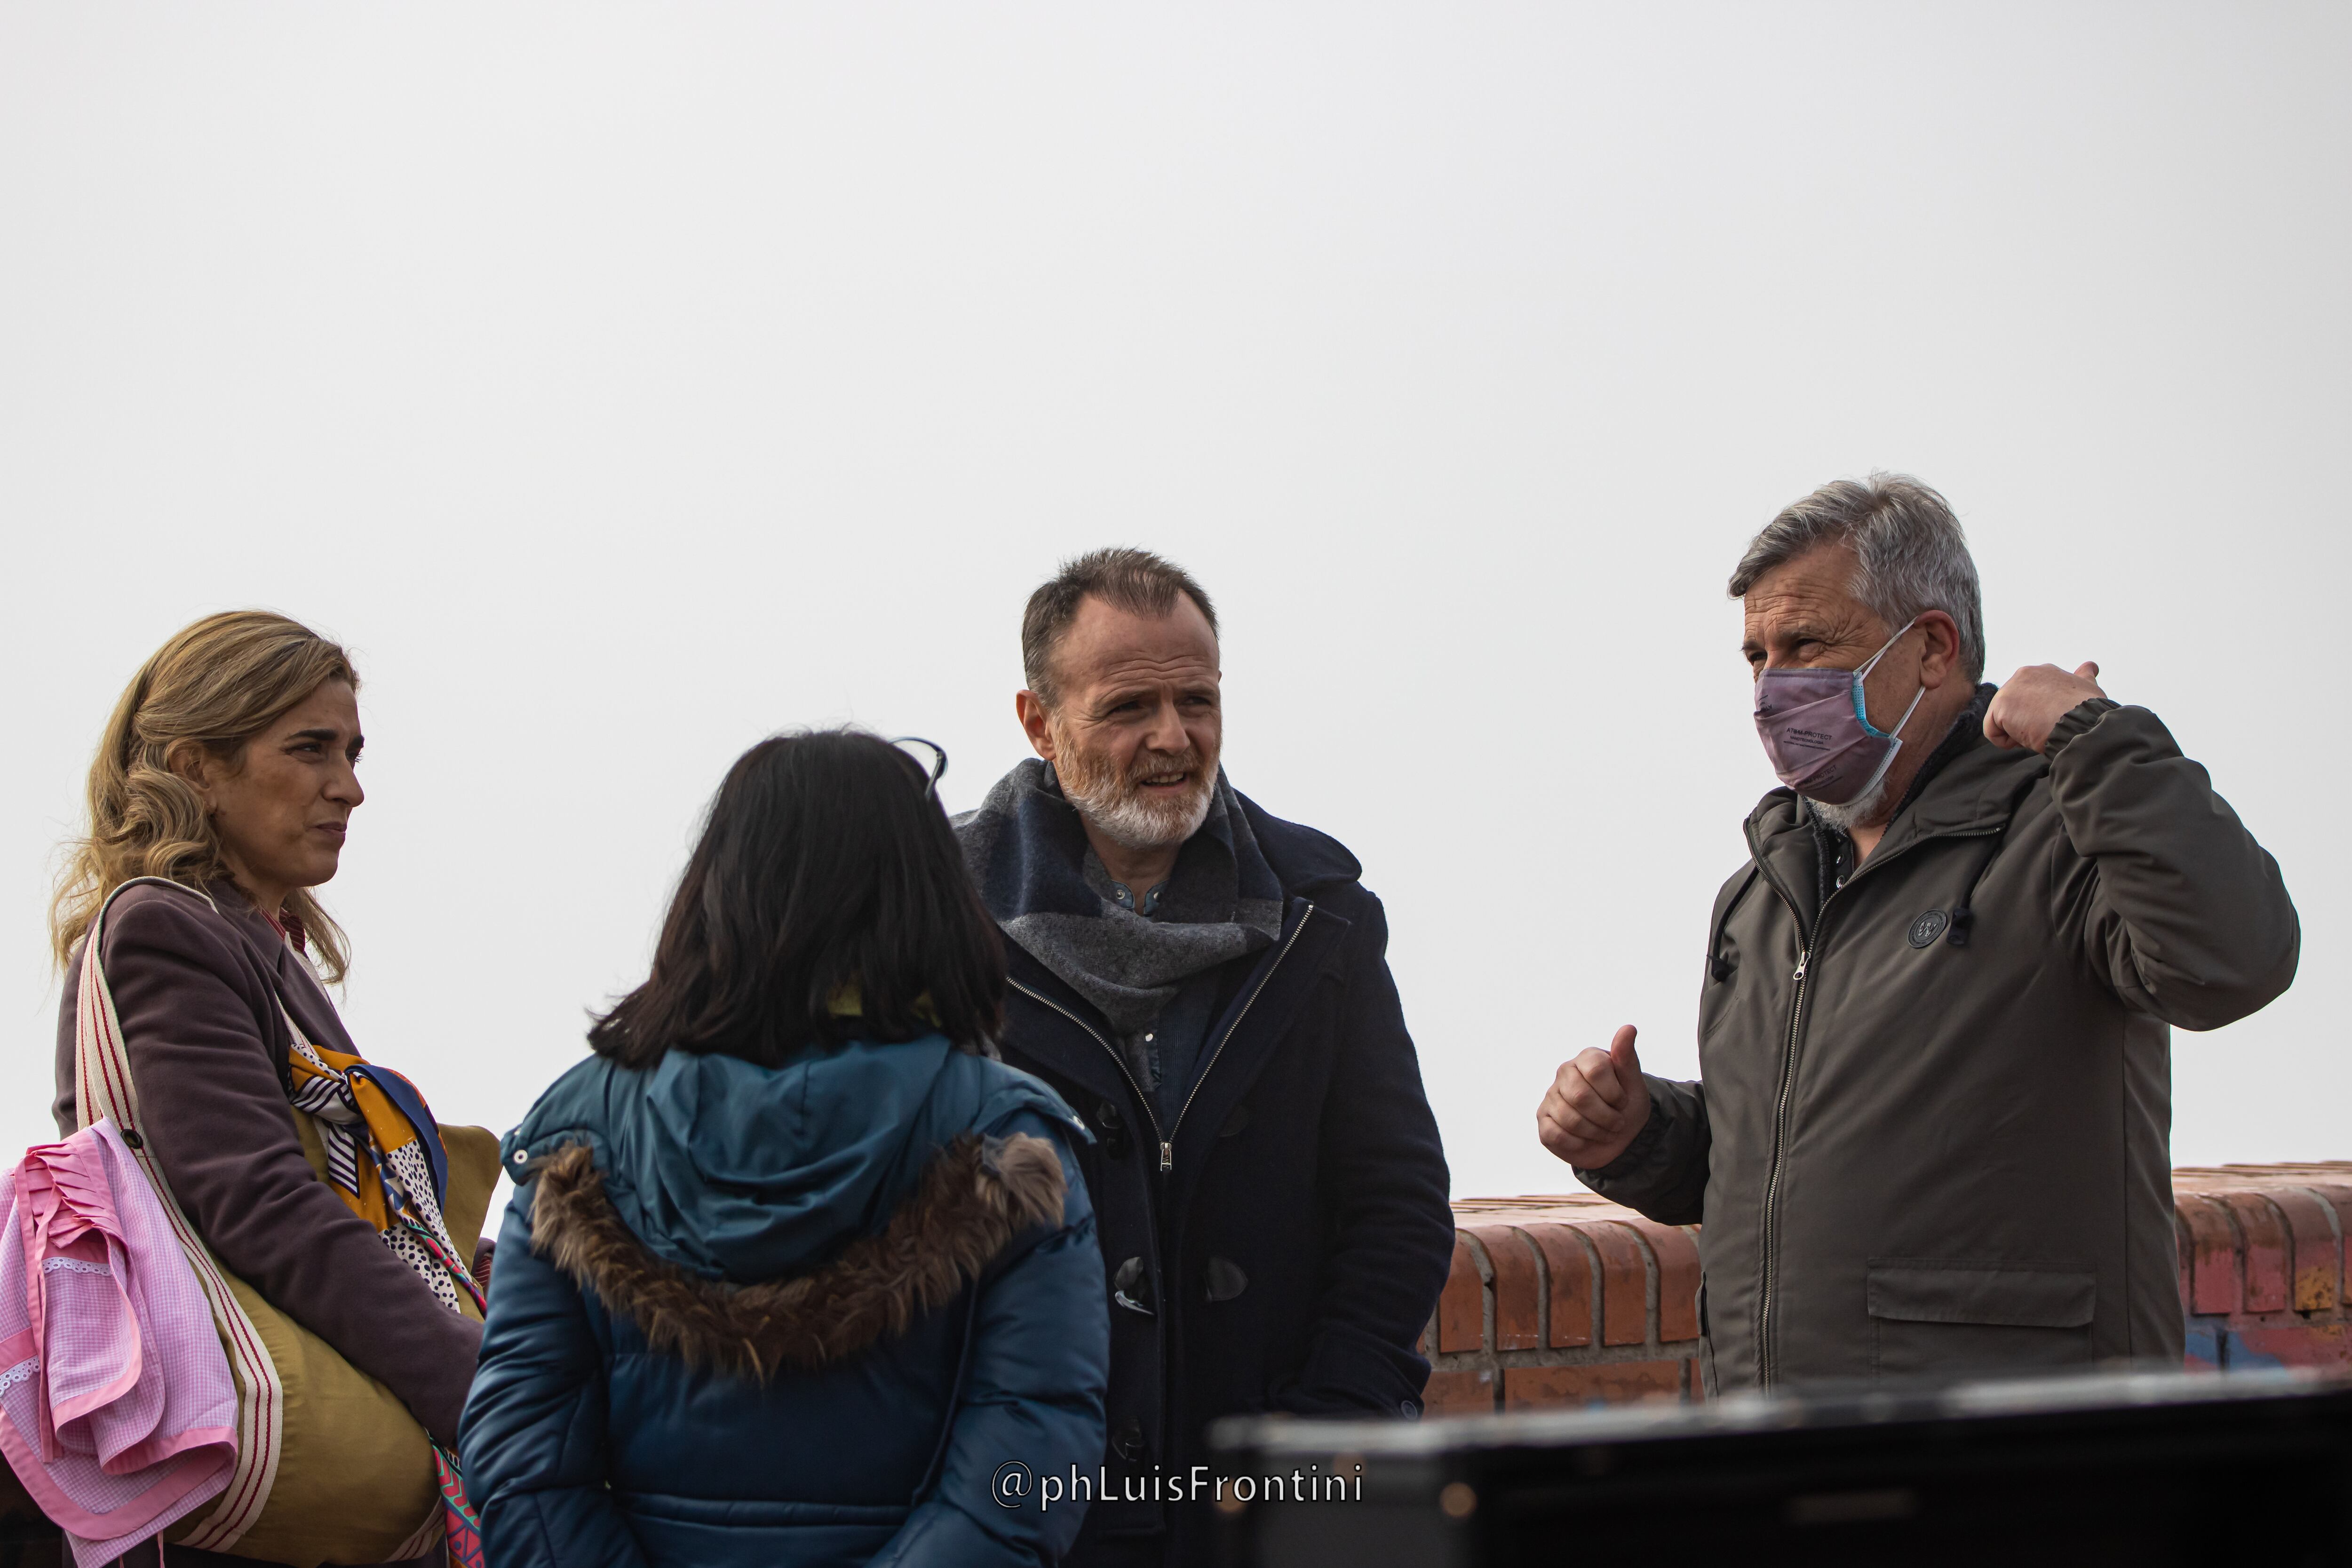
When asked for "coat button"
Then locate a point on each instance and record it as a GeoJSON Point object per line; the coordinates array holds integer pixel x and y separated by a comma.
{"type": "Point", "coordinates": [1130, 1288]}
{"type": "Point", "coordinates": [1226, 1279]}
{"type": "Point", "coordinates": [1113, 1131]}
{"type": "Point", "coordinates": [1128, 1441]}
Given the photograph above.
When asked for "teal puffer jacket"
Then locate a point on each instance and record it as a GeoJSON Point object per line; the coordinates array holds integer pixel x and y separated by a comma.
{"type": "Point", "coordinates": [796, 1316]}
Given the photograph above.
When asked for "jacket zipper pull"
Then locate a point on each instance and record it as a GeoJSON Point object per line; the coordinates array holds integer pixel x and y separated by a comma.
{"type": "Point", "coordinates": [1167, 1157]}
{"type": "Point", "coordinates": [1802, 959]}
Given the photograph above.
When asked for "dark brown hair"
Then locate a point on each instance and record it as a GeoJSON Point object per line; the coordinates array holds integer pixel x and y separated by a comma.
{"type": "Point", "coordinates": [826, 872]}
{"type": "Point", "coordinates": [1135, 581]}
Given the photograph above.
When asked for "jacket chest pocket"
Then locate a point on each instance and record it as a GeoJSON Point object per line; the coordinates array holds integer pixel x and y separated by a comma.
{"type": "Point", "coordinates": [1966, 1316]}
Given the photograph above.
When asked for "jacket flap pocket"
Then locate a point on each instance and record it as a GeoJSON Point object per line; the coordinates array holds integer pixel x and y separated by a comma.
{"type": "Point", "coordinates": [1954, 1291]}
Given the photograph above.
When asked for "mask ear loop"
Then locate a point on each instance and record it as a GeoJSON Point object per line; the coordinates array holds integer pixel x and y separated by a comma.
{"type": "Point", "coordinates": [1867, 664]}
{"type": "Point", "coordinates": [1861, 709]}
{"type": "Point", "coordinates": [1917, 699]}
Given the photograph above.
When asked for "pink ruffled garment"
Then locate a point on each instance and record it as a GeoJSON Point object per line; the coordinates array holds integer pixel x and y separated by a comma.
{"type": "Point", "coordinates": [117, 1410]}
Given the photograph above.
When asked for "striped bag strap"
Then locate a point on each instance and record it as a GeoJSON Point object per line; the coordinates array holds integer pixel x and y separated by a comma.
{"type": "Point", "coordinates": [103, 1088]}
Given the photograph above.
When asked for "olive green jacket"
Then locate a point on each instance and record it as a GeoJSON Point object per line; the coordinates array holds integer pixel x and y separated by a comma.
{"type": "Point", "coordinates": [1931, 1134]}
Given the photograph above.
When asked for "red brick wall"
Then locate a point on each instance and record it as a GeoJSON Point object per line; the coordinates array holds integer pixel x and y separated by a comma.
{"type": "Point", "coordinates": [1569, 1299]}
{"type": "Point", "coordinates": [1563, 1301]}
{"type": "Point", "coordinates": [2263, 1262]}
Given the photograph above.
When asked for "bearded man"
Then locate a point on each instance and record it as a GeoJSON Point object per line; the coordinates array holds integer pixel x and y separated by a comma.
{"type": "Point", "coordinates": [1208, 986]}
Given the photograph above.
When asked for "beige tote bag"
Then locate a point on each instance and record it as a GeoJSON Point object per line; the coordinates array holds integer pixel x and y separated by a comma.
{"type": "Point", "coordinates": [330, 1467]}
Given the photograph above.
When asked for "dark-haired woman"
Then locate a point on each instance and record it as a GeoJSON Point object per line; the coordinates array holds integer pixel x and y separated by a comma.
{"type": "Point", "coordinates": [795, 1268]}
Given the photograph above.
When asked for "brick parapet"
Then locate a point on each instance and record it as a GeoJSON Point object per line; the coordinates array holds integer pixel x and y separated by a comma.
{"type": "Point", "coordinates": [1562, 1299]}
{"type": "Point", "coordinates": [1569, 1299]}
{"type": "Point", "coordinates": [2264, 1278]}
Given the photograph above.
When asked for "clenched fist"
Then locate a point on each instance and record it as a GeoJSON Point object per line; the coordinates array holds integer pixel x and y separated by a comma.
{"type": "Point", "coordinates": [2026, 709]}
{"type": "Point", "coordinates": [1596, 1104]}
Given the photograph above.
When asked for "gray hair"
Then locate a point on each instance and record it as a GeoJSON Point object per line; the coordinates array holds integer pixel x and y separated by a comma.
{"type": "Point", "coordinates": [1914, 557]}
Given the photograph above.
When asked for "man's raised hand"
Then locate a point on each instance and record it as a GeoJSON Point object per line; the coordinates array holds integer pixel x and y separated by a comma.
{"type": "Point", "coordinates": [1596, 1104]}
{"type": "Point", "coordinates": [2025, 709]}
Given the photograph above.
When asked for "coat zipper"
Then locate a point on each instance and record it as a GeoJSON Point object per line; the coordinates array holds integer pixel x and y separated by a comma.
{"type": "Point", "coordinates": [1767, 1360]}
{"type": "Point", "coordinates": [1116, 1059]}
{"type": "Point", "coordinates": [1167, 1149]}
{"type": "Point", "coordinates": [1166, 1141]}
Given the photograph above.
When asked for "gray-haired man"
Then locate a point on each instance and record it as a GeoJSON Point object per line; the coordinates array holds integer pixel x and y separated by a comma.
{"type": "Point", "coordinates": [1930, 1133]}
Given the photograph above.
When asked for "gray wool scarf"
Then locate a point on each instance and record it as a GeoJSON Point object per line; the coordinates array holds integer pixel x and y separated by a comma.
{"type": "Point", "coordinates": [1027, 850]}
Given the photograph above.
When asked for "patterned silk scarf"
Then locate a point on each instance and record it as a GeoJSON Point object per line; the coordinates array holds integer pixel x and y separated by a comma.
{"type": "Point", "coordinates": [385, 1160]}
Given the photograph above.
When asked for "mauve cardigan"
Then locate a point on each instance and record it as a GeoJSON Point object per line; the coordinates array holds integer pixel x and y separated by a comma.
{"type": "Point", "coordinates": [197, 994]}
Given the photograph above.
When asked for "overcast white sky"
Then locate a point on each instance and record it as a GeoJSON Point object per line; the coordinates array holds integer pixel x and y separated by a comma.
{"type": "Point", "coordinates": [626, 383]}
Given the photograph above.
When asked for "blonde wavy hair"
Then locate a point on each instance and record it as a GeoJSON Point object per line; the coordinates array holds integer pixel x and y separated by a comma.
{"type": "Point", "coordinates": [215, 686]}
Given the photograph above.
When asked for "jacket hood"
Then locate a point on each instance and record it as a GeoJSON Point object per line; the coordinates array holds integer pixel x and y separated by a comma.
{"type": "Point", "coordinates": [1305, 858]}
{"type": "Point", "coordinates": [733, 1170]}
{"type": "Point", "coordinates": [976, 1197]}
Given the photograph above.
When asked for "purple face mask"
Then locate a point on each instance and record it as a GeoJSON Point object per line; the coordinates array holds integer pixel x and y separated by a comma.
{"type": "Point", "coordinates": [1817, 733]}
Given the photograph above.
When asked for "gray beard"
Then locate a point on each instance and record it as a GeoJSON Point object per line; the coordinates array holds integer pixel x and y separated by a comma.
{"type": "Point", "coordinates": [1110, 805]}
{"type": "Point", "coordinates": [1855, 813]}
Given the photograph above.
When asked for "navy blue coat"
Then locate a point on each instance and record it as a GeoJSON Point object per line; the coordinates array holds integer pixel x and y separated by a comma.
{"type": "Point", "coordinates": [690, 1356]}
{"type": "Point", "coordinates": [1289, 1250]}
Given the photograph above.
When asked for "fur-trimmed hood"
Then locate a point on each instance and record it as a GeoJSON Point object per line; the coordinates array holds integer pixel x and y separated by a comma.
{"type": "Point", "coordinates": [976, 1195]}
{"type": "Point", "coordinates": [732, 1174]}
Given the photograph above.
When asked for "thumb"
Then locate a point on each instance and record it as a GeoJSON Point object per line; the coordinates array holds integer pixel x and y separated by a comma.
{"type": "Point", "coordinates": [2088, 669]}
{"type": "Point", "coordinates": [1622, 1055]}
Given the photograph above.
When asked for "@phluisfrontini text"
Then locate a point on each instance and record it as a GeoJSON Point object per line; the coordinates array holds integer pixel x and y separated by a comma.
{"type": "Point", "coordinates": [1015, 1485]}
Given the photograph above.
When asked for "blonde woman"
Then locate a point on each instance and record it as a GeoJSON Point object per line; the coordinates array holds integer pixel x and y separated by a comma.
{"type": "Point", "coordinates": [228, 775]}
